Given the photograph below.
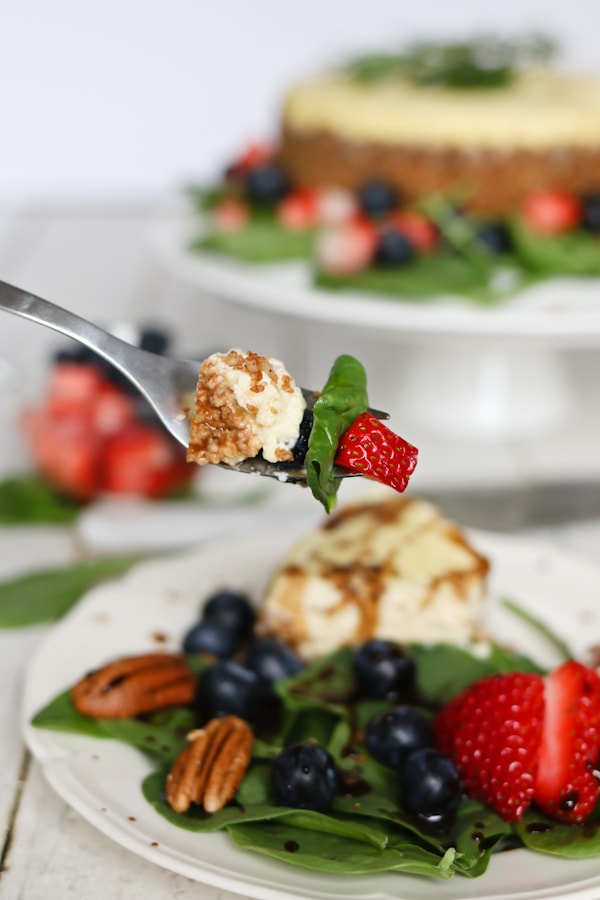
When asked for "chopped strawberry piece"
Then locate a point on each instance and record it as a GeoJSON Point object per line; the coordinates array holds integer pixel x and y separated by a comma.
{"type": "Point", "coordinates": [371, 448]}
{"type": "Point", "coordinates": [348, 248]}
{"type": "Point", "coordinates": [552, 212]}
{"type": "Point", "coordinates": [492, 730]}
{"type": "Point", "coordinates": [567, 786]}
{"type": "Point", "coordinates": [335, 206]}
{"type": "Point", "coordinates": [421, 231]}
{"type": "Point", "coordinates": [230, 216]}
{"type": "Point", "coordinates": [142, 459]}
{"type": "Point", "coordinates": [298, 211]}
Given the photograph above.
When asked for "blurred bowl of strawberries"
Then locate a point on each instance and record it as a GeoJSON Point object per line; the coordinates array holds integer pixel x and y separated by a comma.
{"type": "Point", "coordinates": [92, 434]}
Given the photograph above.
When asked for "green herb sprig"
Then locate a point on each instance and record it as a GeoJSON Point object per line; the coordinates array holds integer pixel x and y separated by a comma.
{"type": "Point", "coordinates": [483, 62]}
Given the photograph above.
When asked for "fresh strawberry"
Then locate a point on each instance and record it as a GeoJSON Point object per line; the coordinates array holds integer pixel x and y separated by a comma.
{"type": "Point", "coordinates": [230, 215]}
{"type": "Point", "coordinates": [65, 451]}
{"type": "Point", "coordinates": [71, 386]}
{"type": "Point", "coordinates": [336, 206]}
{"type": "Point", "coordinates": [298, 211]}
{"type": "Point", "coordinates": [371, 448]}
{"type": "Point", "coordinates": [348, 248]}
{"type": "Point", "coordinates": [567, 785]}
{"type": "Point", "coordinates": [551, 212]}
{"type": "Point", "coordinates": [111, 409]}
{"type": "Point", "coordinates": [421, 231]}
{"type": "Point", "coordinates": [492, 730]}
{"type": "Point", "coordinates": [253, 156]}
{"type": "Point", "coordinates": [143, 459]}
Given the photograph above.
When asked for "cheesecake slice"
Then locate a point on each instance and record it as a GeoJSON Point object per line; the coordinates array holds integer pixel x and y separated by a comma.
{"type": "Point", "coordinates": [394, 569]}
{"type": "Point", "coordinates": [245, 404]}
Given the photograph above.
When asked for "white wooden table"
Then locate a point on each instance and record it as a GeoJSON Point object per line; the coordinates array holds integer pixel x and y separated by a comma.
{"type": "Point", "coordinates": [101, 264]}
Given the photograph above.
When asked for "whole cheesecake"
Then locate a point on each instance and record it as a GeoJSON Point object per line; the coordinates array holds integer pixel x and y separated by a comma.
{"type": "Point", "coordinates": [491, 146]}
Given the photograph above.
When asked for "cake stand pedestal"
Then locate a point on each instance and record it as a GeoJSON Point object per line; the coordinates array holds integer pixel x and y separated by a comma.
{"type": "Point", "coordinates": [487, 391]}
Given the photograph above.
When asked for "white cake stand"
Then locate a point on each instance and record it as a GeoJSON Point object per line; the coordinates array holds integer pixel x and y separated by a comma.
{"type": "Point", "coordinates": [489, 373]}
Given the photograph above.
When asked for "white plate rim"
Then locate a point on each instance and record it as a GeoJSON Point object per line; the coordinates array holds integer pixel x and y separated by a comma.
{"type": "Point", "coordinates": [61, 755]}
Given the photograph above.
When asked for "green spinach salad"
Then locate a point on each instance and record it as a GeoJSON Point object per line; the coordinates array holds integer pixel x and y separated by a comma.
{"type": "Point", "coordinates": [370, 822]}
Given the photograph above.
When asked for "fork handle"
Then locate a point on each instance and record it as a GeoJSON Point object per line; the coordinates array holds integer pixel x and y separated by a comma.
{"type": "Point", "coordinates": [29, 306]}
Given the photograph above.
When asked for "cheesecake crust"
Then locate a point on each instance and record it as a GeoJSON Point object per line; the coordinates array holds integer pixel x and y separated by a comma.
{"type": "Point", "coordinates": [488, 181]}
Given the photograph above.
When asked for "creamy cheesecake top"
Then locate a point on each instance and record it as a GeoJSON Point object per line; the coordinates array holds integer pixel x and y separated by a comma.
{"type": "Point", "coordinates": [539, 110]}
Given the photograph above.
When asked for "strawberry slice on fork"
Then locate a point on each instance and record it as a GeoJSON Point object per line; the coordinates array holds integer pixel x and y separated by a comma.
{"type": "Point", "coordinates": [371, 448]}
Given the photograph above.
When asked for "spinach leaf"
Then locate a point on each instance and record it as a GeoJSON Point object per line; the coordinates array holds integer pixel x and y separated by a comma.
{"type": "Point", "coordinates": [439, 275]}
{"type": "Point", "coordinates": [28, 499]}
{"type": "Point", "coordinates": [341, 401]}
{"type": "Point", "coordinates": [575, 252]}
{"type": "Point", "coordinates": [47, 594]}
{"type": "Point", "coordinates": [443, 670]}
{"type": "Point", "coordinates": [338, 853]}
{"type": "Point", "coordinates": [570, 841]}
{"type": "Point", "coordinates": [161, 735]}
{"type": "Point", "coordinates": [261, 241]}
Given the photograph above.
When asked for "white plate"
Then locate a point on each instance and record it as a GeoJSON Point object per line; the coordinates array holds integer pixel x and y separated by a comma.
{"type": "Point", "coordinates": [159, 600]}
{"type": "Point", "coordinates": [563, 311]}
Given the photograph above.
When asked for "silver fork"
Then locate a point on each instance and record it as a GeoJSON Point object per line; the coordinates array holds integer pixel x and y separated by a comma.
{"type": "Point", "coordinates": [169, 385]}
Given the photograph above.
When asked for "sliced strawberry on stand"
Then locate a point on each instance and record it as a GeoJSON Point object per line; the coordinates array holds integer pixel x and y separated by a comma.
{"type": "Point", "coordinates": [567, 786]}
{"type": "Point", "coordinates": [551, 211]}
{"type": "Point", "coordinates": [336, 206]}
{"type": "Point", "coordinates": [252, 156]}
{"type": "Point", "coordinates": [492, 731]}
{"type": "Point", "coordinates": [421, 231]}
{"type": "Point", "coordinates": [230, 216]}
{"type": "Point", "coordinates": [371, 448]}
{"type": "Point", "coordinates": [348, 248]}
{"type": "Point", "coordinates": [299, 211]}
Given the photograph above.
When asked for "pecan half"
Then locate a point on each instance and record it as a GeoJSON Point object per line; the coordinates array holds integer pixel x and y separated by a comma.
{"type": "Point", "coordinates": [135, 685]}
{"type": "Point", "coordinates": [210, 769]}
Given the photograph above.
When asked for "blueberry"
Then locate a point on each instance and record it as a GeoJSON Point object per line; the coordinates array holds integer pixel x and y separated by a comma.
{"type": "Point", "coordinates": [75, 354]}
{"type": "Point", "coordinates": [494, 237]}
{"type": "Point", "coordinates": [591, 213]}
{"type": "Point", "coordinates": [304, 776]}
{"type": "Point", "coordinates": [376, 198]}
{"type": "Point", "coordinates": [430, 783]}
{"type": "Point", "coordinates": [300, 448]}
{"type": "Point", "coordinates": [272, 660]}
{"type": "Point", "coordinates": [393, 735]}
{"type": "Point", "coordinates": [154, 339]}
{"type": "Point", "coordinates": [210, 637]}
{"type": "Point", "coordinates": [233, 611]}
{"type": "Point", "coordinates": [227, 688]}
{"type": "Point", "coordinates": [393, 249]}
{"type": "Point", "coordinates": [266, 184]}
{"type": "Point", "coordinates": [382, 668]}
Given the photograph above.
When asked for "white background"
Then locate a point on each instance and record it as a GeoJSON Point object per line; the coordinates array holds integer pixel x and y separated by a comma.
{"type": "Point", "coordinates": [131, 99]}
